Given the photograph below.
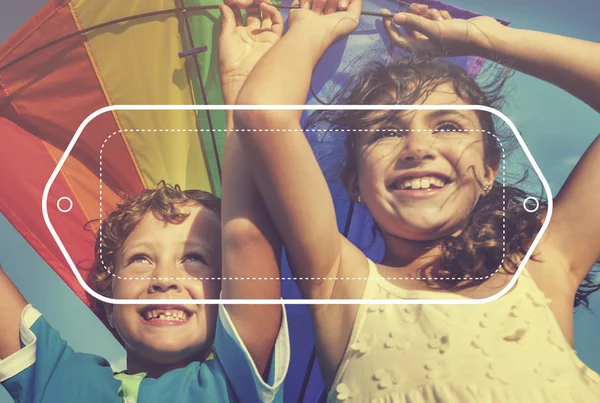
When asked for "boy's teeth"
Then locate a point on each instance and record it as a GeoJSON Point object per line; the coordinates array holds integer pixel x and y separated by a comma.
{"type": "Point", "coordinates": [166, 315]}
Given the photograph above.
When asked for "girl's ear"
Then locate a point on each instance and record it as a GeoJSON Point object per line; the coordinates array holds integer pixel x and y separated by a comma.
{"type": "Point", "coordinates": [355, 191]}
{"type": "Point", "coordinates": [350, 183]}
{"type": "Point", "coordinates": [490, 174]}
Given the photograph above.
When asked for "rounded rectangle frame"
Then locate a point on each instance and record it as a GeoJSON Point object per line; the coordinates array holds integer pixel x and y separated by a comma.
{"type": "Point", "coordinates": [111, 108]}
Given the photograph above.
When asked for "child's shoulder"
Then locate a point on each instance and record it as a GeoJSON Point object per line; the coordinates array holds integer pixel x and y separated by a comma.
{"type": "Point", "coordinates": [46, 366]}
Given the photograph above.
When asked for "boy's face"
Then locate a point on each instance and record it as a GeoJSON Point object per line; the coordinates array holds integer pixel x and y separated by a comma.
{"type": "Point", "coordinates": [165, 261]}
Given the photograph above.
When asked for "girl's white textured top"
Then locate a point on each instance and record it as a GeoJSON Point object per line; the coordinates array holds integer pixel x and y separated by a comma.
{"type": "Point", "coordinates": [508, 350]}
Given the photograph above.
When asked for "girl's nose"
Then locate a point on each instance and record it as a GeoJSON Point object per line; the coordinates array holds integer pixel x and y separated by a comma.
{"type": "Point", "coordinates": [418, 145]}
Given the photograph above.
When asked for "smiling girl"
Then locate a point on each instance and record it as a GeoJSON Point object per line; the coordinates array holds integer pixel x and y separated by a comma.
{"type": "Point", "coordinates": [430, 180]}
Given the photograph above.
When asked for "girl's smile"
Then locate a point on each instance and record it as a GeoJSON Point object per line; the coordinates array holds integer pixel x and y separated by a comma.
{"type": "Point", "coordinates": [421, 173]}
{"type": "Point", "coordinates": [419, 184]}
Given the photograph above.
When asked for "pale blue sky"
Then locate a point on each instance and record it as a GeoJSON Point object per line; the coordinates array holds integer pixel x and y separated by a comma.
{"type": "Point", "coordinates": [556, 127]}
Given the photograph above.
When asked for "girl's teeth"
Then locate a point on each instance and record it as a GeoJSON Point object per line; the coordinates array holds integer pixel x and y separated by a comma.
{"type": "Point", "coordinates": [421, 183]}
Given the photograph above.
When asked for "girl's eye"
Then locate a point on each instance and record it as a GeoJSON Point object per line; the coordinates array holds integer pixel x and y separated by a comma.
{"type": "Point", "coordinates": [448, 127]}
{"type": "Point", "coordinates": [387, 132]}
{"type": "Point", "coordinates": [139, 258]}
{"type": "Point", "coordinates": [195, 257]}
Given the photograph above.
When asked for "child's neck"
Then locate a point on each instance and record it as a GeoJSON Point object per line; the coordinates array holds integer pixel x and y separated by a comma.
{"type": "Point", "coordinates": [137, 364]}
{"type": "Point", "coordinates": [409, 255]}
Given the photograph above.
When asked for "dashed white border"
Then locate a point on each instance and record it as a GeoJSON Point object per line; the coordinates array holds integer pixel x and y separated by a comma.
{"type": "Point", "coordinates": [503, 159]}
{"type": "Point", "coordinates": [83, 125]}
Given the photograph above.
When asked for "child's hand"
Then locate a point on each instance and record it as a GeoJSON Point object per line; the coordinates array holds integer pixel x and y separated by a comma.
{"type": "Point", "coordinates": [434, 31]}
{"type": "Point", "coordinates": [241, 47]}
{"type": "Point", "coordinates": [322, 16]}
{"type": "Point", "coordinates": [324, 6]}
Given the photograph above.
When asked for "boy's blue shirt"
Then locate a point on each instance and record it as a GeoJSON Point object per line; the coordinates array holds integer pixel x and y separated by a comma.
{"type": "Point", "coordinates": [47, 370]}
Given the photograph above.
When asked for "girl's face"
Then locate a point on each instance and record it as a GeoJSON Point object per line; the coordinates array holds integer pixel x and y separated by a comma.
{"type": "Point", "coordinates": [422, 185]}
{"type": "Point", "coordinates": [164, 261]}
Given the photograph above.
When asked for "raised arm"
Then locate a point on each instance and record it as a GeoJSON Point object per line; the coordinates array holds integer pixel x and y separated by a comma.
{"type": "Point", "coordinates": [282, 162]}
{"type": "Point", "coordinates": [12, 304]}
{"type": "Point", "coordinates": [251, 246]}
{"type": "Point", "coordinates": [569, 63]}
{"type": "Point", "coordinates": [575, 222]}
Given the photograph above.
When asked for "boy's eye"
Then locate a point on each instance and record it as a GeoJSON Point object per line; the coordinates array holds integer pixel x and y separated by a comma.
{"type": "Point", "coordinates": [138, 258]}
{"type": "Point", "coordinates": [195, 257]}
{"type": "Point", "coordinates": [448, 127]}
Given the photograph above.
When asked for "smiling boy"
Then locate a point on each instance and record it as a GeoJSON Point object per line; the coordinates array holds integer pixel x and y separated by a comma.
{"type": "Point", "coordinates": [169, 244]}
{"type": "Point", "coordinates": [163, 245]}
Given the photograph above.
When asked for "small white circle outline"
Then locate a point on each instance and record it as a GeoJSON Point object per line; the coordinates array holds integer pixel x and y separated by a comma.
{"type": "Point", "coordinates": [58, 204]}
{"type": "Point", "coordinates": [536, 201]}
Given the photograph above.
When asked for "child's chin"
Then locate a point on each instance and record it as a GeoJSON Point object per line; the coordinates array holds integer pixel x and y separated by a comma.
{"type": "Point", "coordinates": [169, 343]}
{"type": "Point", "coordinates": [171, 354]}
{"type": "Point", "coordinates": [422, 231]}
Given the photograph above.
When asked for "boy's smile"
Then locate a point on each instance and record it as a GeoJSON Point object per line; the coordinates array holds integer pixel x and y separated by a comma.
{"type": "Point", "coordinates": [165, 315]}
{"type": "Point", "coordinates": [164, 261]}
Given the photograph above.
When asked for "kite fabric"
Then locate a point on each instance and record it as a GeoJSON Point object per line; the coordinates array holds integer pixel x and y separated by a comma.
{"type": "Point", "coordinates": [74, 57]}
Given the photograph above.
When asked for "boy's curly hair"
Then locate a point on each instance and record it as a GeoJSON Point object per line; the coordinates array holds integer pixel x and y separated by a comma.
{"type": "Point", "coordinates": [164, 201]}
{"type": "Point", "coordinates": [484, 244]}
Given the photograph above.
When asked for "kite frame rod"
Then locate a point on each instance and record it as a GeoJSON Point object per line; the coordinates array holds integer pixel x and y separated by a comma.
{"type": "Point", "coordinates": [176, 10]}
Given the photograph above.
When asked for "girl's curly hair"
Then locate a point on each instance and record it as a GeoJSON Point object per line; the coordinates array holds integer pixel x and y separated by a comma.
{"type": "Point", "coordinates": [499, 230]}
{"type": "Point", "coordinates": [164, 201]}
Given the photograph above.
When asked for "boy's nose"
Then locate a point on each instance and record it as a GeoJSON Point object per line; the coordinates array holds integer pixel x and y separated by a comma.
{"type": "Point", "coordinates": [164, 280]}
{"type": "Point", "coordinates": [163, 287]}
